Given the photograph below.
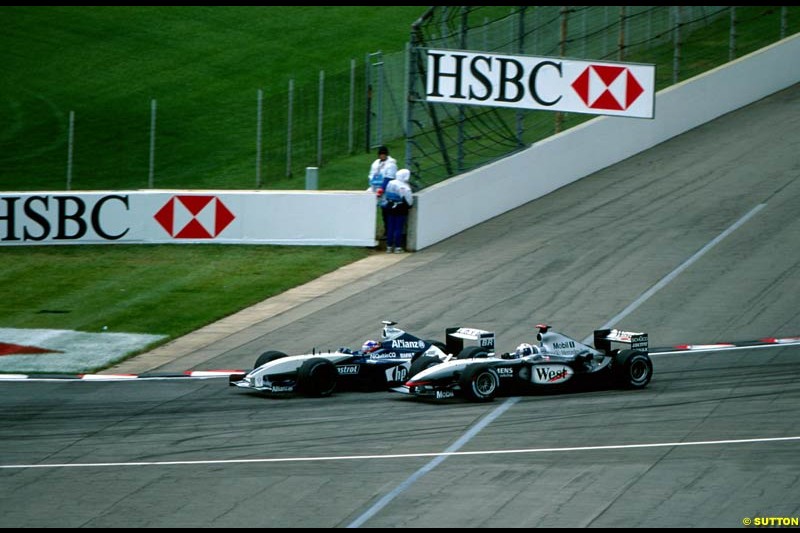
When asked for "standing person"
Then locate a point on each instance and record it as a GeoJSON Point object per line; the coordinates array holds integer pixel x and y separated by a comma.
{"type": "Point", "coordinates": [381, 172]}
{"type": "Point", "coordinates": [397, 200]}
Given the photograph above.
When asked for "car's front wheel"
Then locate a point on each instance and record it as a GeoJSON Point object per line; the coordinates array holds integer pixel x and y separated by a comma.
{"type": "Point", "coordinates": [317, 377]}
{"type": "Point", "coordinates": [268, 356]}
{"type": "Point", "coordinates": [479, 383]}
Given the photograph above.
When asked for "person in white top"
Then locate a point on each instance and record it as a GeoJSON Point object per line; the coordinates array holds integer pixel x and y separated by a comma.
{"type": "Point", "coordinates": [382, 171]}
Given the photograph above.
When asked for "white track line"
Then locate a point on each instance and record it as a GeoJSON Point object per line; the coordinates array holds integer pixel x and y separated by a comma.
{"type": "Point", "coordinates": [683, 266]}
{"type": "Point", "coordinates": [411, 455]}
{"type": "Point", "coordinates": [451, 450]}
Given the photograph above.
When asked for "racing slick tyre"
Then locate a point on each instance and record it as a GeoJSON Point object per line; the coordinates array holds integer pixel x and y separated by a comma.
{"type": "Point", "coordinates": [317, 377]}
{"type": "Point", "coordinates": [633, 369]}
{"type": "Point", "coordinates": [268, 356]}
{"type": "Point", "coordinates": [472, 352]}
{"type": "Point", "coordinates": [421, 363]}
{"type": "Point", "coordinates": [479, 383]}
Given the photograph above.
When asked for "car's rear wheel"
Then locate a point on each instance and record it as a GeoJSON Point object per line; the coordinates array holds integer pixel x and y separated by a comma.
{"type": "Point", "coordinates": [317, 377]}
{"type": "Point", "coordinates": [472, 352]}
{"type": "Point", "coordinates": [633, 369]}
{"type": "Point", "coordinates": [268, 356]}
{"type": "Point", "coordinates": [479, 383]}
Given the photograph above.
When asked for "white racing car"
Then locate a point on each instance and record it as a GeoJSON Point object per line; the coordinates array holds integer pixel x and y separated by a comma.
{"type": "Point", "coordinates": [557, 360]}
{"type": "Point", "coordinates": [377, 366]}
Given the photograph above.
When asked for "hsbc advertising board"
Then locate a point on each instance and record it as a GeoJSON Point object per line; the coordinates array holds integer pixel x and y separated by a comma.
{"type": "Point", "coordinates": [248, 217]}
{"type": "Point", "coordinates": [544, 83]}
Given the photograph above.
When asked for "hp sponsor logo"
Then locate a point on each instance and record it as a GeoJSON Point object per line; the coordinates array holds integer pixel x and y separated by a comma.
{"type": "Point", "coordinates": [397, 373]}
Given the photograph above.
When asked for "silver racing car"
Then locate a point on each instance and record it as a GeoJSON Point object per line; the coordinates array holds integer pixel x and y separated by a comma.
{"type": "Point", "coordinates": [556, 360]}
{"type": "Point", "coordinates": [376, 366]}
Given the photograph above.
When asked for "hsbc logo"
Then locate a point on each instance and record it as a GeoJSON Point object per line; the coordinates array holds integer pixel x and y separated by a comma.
{"type": "Point", "coordinates": [553, 84]}
{"type": "Point", "coordinates": [194, 217]}
{"type": "Point", "coordinates": [607, 87]}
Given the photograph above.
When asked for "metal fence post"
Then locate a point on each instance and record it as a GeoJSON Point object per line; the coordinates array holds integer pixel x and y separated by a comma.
{"type": "Point", "coordinates": [70, 140]}
{"type": "Point", "coordinates": [259, 115]}
{"type": "Point", "coordinates": [732, 38]}
{"type": "Point", "coordinates": [676, 57]}
{"type": "Point", "coordinates": [462, 43]}
{"type": "Point", "coordinates": [562, 46]}
{"type": "Point", "coordinates": [320, 111]}
{"type": "Point", "coordinates": [289, 132]}
{"type": "Point", "coordinates": [351, 112]}
{"type": "Point", "coordinates": [521, 50]}
{"type": "Point", "coordinates": [784, 21]}
{"type": "Point", "coordinates": [621, 44]}
{"type": "Point", "coordinates": [368, 105]}
{"type": "Point", "coordinates": [152, 168]}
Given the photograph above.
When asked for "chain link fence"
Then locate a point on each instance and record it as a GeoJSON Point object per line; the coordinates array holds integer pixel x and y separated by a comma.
{"type": "Point", "coordinates": [682, 41]}
{"type": "Point", "coordinates": [265, 137]}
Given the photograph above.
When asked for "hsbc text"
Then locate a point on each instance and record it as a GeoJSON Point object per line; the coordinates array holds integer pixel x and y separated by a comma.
{"type": "Point", "coordinates": [57, 217]}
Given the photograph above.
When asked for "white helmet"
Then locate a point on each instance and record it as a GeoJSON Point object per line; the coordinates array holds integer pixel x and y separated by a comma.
{"type": "Point", "coordinates": [524, 349]}
{"type": "Point", "coordinates": [403, 175]}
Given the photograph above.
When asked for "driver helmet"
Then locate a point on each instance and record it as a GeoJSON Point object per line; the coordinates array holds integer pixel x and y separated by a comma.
{"type": "Point", "coordinates": [370, 346]}
{"type": "Point", "coordinates": [524, 349]}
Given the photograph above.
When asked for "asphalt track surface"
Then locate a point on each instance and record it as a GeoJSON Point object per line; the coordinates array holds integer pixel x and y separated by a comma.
{"type": "Point", "coordinates": [694, 241]}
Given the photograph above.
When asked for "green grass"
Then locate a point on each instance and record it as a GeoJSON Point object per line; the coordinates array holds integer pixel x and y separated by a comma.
{"type": "Point", "coordinates": [159, 289]}
{"type": "Point", "coordinates": [204, 66]}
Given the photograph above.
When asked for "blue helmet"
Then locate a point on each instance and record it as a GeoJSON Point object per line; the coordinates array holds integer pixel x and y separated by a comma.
{"type": "Point", "coordinates": [370, 346]}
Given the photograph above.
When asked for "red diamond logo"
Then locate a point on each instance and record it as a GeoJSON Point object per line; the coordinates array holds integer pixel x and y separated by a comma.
{"type": "Point", "coordinates": [607, 87]}
{"type": "Point", "coordinates": [194, 217]}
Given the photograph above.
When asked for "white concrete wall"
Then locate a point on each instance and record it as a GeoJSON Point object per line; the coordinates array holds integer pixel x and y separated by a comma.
{"type": "Point", "coordinates": [454, 205]}
{"type": "Point", "coordinates": [334, 218]}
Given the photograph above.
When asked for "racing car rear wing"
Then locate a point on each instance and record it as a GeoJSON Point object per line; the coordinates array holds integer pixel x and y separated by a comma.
{"type": "Point", "coordinates": [455, 337]}
{"type": "Point", "coordinates": [604, 337]}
